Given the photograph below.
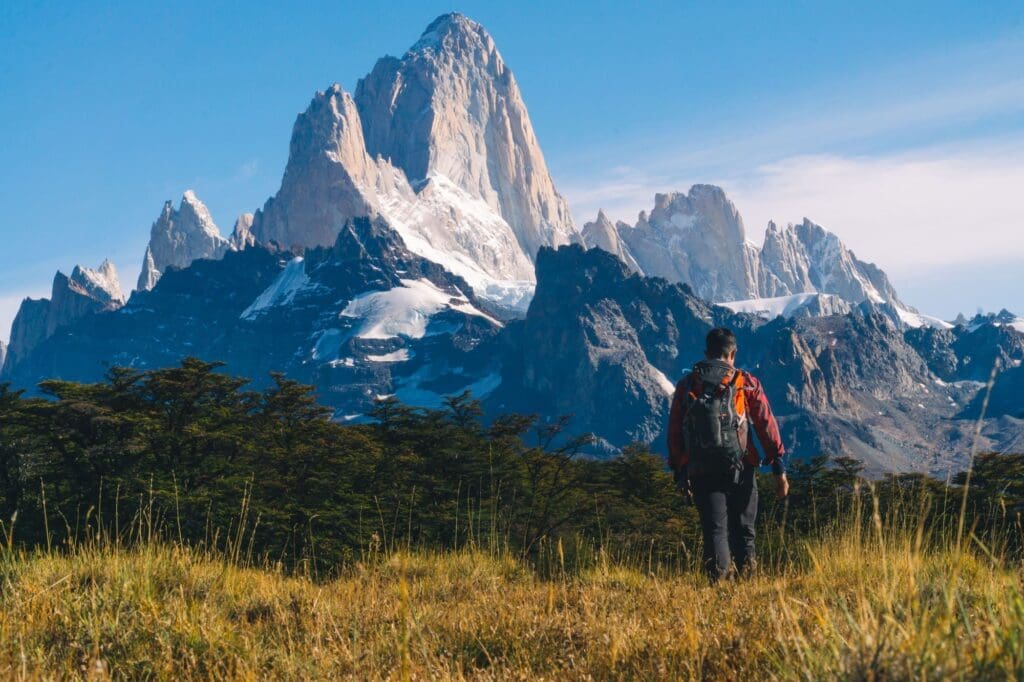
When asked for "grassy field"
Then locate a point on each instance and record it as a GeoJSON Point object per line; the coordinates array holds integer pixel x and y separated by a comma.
{"type": "Point", "coordinates": [872, 605]}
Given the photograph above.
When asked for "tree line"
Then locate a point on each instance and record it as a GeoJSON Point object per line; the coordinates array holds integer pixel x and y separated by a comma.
{"type": "Point", "coordinates": [192, 455]}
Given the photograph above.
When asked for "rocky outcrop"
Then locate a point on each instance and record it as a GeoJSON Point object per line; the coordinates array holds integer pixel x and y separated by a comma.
{"type": "Point", "coordinates": [242, 236]}
{"type": "Point", "coordinates": [969, 353]}
{"type": "Point", "coordinates": [593, 331]}
{"type": "Point", "coordinates": [603, 234]}
{"type": "Point", "coordinates": [807, 257]}
{"type": "Point", "coordinates": [178, 237]}
{"type": "Point", "coordinates": [450, 107]}
{"type": "Point", "coordinates": [85, 292]}
{"type": "Point", "coordinates": [27, 331]}
{"type": "Point", "coordinates": [698, 239]}
{"type": "Point", "coordinates": [3, 354]}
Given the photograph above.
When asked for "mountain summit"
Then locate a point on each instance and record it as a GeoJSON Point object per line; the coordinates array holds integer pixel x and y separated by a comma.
{"type": "Point", "coordinates": [450, 107]}
{"type": "Point", "coordinates": [439, 143]}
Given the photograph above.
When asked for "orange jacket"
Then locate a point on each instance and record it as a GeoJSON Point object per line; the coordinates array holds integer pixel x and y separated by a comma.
{"type": "Point", "coordinates": [759, 415]}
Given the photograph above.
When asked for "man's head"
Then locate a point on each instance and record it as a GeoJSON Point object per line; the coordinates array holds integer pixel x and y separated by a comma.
{"type": "Point", "coordinates": [720, 345]}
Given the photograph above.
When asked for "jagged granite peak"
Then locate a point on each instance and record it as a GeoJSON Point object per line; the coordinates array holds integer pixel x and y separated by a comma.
{"type": "Point", "coordinates": [241, 235]}
{"type": "Point", "coordinates": [102, 283]}
{"type": "Point", "coordinates": [331, 179]}
{"type": "Point", "coordinates": [696, 238]}
{"type": "Point", "coordinates": [85, 292]}
{"type": "Point", "coordinates": [450, 107]}
{"type": "Point", "coordinates": [807, 257]}
{"type": "Point", "coordinates": [178, 237]}
{"type": "Point", "coordinates": [28, 330]}
{"type": "Point", "coordinates": [603, 234]}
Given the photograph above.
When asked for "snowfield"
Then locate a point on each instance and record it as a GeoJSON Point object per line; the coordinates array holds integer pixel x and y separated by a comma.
{"type": "Point", "coordinates": [281, 291]}
{"type": "Point", "coordinates": [405, 310]}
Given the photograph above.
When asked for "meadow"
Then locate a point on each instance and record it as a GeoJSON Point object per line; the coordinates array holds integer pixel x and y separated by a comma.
{"type": "Point", "coordinates": [170, 525]}
{"type": "Point", "coordinates": [878, 599]}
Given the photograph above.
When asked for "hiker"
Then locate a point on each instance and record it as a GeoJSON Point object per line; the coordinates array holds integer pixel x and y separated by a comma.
{"type": "Point", "coordinates": [713, 457]}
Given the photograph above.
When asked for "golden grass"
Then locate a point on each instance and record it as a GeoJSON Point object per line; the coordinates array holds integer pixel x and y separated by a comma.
{"type": "Point", "coordinates": [880, 608]}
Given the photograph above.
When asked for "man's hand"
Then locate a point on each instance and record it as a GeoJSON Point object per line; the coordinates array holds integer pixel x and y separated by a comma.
{"type": "Point", "coordinates": [682, 483]}
{"type": "Point", "coordinates": [781, 486]}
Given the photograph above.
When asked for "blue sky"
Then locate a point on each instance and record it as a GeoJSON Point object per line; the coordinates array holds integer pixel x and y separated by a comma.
{"type": "Point", "coordinates": [900, 126]}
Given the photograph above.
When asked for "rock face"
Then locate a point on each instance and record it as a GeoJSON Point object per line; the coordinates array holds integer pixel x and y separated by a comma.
{"type": "Point", "coordinates": [603, 234]}
{"type": "Point", "coordinates": [85, 292]}
{"type": "Point", "coordinates": [970, 352]}
{"type": "Point", "coordinates": [3, 354]}
{"type": "Point", "coordinates": [608, 346]}
{"type": "Point", "coordinates": [242, 236]}
{"type": "Point", "coordinates": [698, 238]}
{"type": "Point", "coordinates": [807, 257]}
{"type": "Point", "coordinates": [601, 344]}
{"type": "Point", "coordinates": [329, 178]}
{"type": "Point", "coordinates": [450, 107]}
{"type": "Point", "coordinates": [27, 331]}
{"type": "Point", "coordinates": [179, 237]}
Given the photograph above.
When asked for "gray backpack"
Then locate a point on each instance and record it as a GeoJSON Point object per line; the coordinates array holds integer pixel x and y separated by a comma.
{"type": "Point", "coordinates": [714, 421]}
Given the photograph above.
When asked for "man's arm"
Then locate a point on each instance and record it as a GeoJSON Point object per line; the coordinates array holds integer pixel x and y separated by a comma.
{"type": "Point", "coordinates": [765, 425]}
{"type": "Point", "coordinates": [678, 458]}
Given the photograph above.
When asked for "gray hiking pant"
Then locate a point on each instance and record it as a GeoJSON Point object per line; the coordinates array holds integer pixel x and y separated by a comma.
{"type": "Point", "coordinates": [728, 510]}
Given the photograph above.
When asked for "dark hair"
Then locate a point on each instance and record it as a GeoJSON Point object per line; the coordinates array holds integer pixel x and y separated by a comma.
{"type": "Point", "coordinates": [719, 343]}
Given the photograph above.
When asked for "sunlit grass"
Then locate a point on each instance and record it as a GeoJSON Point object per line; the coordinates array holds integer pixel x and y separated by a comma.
{"type": "Point", "coordinates": [865, 603]}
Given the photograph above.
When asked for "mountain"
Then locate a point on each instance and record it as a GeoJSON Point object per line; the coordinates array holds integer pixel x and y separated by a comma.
{"type": "Point", "coordinates": [698, 238]}
{"type": "Point", "coordinates": [451, 108]}
{"type": "Point", "coordinates": [417, 248]}
{"type": "Point", "coordinates": [607, 345]}
{"type": "Point", "coordinates": [178, 237]}
{"type": "Point", "coordinates": [440, 145]}
{"type": "Point", "coordinates": [85, 292]}
{"type": "Point", "coordinates": [361, 319]}
{"type": "Point", "coordinates": [3, 353]}
{"type": "Point", "coordinates": [807, 258]}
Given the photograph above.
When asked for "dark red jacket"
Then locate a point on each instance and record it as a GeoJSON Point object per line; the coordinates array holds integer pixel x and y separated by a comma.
{"type": "Point", "coordinates": [759, 414]}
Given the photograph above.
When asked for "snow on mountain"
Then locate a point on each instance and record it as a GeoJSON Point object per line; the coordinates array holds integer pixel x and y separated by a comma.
{"type": "Point", "coordinates": [405, 310]}
{"type": "Point", "coordinates": [178, 237]}
{"type": "Point", "coordinates": [795, 305]}
{"type": "Point", "coordinates": [282, 291]}
{"type": "Point", "coordinates": [916, 320]}
{"type": "Point", "coordinates": [439, 144]}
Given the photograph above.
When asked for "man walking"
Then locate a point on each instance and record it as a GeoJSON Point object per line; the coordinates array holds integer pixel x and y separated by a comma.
{"type": "Point", "coordinates": [713, 456]}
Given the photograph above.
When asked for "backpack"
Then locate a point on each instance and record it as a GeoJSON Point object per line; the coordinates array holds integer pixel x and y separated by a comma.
{"type": "Point", "coordinates": [715, 420]}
